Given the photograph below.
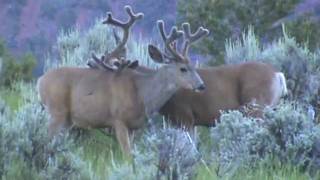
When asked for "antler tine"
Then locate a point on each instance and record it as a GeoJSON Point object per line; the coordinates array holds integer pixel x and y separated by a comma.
{"type": "Point", "coordinates": [190, 38]}
{"type": "Point", "coordinates": [201, 32]}
{"type": "Point", "coordinates": [133, 17]}
{"type": "Point", "coordinates": [112, 21]}
{"type": "Point", "coordinates": [174, 35]}
{"type": "Point", "coordinates": [125, 26]}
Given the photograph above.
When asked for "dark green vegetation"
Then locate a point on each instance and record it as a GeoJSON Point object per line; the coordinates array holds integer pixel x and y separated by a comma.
{"type": "Point", "coordinates": [13, 69]}
{"type": "Point", "coordinates": [229, 18]}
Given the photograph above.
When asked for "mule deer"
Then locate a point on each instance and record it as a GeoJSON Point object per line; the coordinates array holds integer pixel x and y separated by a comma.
{"type": "Point", "coordinates": [227, 87]}
{"type": "Point", "coordinates": [96, 98]}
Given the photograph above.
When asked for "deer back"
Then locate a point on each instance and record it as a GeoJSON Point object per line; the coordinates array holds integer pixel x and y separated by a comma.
{"type": "Point", "coordinates": [92, 94]}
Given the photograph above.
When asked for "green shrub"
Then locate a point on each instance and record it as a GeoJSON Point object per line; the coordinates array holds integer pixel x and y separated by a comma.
{"type": "Point", "coordinates": [227, 19]}
{"type": "Point", "coordinates": [13, 70]}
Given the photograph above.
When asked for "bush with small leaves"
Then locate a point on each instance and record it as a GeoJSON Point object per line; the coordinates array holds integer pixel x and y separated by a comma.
{"type": "Point", "coordinates": [163, 153]}
{"type": "Point", "coordinates": [27, 152]}
{"type": "Point", "coordinates": [75, 48]}
{"type": "Point", "coordinates": [176, 152]}
{"type": "Point", "coordinates": [287, 134]}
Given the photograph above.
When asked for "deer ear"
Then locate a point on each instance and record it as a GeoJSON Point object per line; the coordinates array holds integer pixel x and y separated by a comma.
{"type": "Point", "coordinates": [155, 54]}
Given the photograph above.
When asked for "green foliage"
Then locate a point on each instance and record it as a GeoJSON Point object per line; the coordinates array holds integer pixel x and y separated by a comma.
{"type": "Point", "coordinates": [267, 170]}
{"type": "Point", "coordinates": [227, 19]}
{"type": "Point", "coordinates": [13, 70]}
{"type": "Point", "coordinates": [306, 31]}
{"type": "Point", "coordinates": [11, 97]}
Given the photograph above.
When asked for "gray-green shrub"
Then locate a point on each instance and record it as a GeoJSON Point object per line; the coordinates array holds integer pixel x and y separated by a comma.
{"type": "Point", "coordinates": [27, 152]}
{"type": "Point", "coordinates": [74, 48]}
{"type": "Point", "coordinates": [167, 153]}
{"type": "Point", "coordinates": [286, 133]}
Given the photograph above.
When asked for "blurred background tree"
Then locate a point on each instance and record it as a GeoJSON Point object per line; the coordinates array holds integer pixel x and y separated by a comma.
{"type": "Point", "coordinates": [12, 69]}
{"type": "Point", "coordinates": [227, 19]}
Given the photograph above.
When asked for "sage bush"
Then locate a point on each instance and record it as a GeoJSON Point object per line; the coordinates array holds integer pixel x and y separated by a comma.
{"type": "Point", "coordinates": [286, 134]}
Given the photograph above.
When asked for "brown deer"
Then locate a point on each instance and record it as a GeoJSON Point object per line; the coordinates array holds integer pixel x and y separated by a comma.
{"type": "Point", "coordinates": [227, 87]}
{"type": "Point", "coordinates": [96, 98]}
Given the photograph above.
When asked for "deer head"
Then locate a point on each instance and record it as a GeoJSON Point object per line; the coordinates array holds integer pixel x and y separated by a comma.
{"type": "Point", "coordinates": [178, 64]}
{"type": "Point", "coordinates": [116, 60]}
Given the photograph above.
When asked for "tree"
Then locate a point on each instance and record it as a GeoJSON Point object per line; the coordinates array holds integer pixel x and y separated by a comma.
{"type": "Point", "coordinates": [227, 19]}
{"type": "Point", "coordinates": [12, 70]}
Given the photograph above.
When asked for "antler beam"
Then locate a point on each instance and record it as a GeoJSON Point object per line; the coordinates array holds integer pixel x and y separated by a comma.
{"type": "Point", "coordinates": [188, 38]}
{"type": "Point", "coordinates": [116, 60]}
{"type": "Point", "coordinates": [170, 39]}
{"type": "Point", "coordinates": [125, 26]}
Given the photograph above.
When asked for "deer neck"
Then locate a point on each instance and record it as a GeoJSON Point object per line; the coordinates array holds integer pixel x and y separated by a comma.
{"type": "Point", "coordinates": [155, 89]}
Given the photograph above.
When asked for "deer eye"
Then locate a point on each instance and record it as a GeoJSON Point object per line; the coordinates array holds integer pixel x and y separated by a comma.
{"type": "Point", "coordinates": [183, 69]}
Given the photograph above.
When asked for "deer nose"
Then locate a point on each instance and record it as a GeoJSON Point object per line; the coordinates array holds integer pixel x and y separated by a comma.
{"type": "Point", "coordinates": [201, 87]}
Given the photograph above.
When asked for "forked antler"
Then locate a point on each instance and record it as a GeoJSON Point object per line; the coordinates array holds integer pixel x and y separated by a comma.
{"type": "Point", "coordinates": [116, 60]}
{"type": "Point", "coordinates": [170, 39]}
{"type": "Point", "coordinates": [188, 38]}
{"type": "Point", "coordinates": [125, 27]}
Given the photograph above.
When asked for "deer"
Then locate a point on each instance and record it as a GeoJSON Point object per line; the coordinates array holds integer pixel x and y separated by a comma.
{"type": "Point", "coordinates": [228, 87]}
{"type": "Point", "coordinates": [248, 87]}
{"type": "Point", "coordinates": [122, 100]}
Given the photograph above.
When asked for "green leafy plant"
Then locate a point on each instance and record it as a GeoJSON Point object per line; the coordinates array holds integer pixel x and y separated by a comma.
{"type": "Point", "coordinates": [13, 70]}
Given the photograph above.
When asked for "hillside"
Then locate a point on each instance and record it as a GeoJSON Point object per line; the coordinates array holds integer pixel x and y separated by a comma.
{"type": "Point", "coordinates": [33, 25]}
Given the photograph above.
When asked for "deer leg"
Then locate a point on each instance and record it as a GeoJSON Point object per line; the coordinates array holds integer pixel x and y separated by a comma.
{"type": "Point", "coordinates": [122, 134]}
{"type": "Point", "coordinates": [57, 122]}
{"type": "Point", "coordinates": [131, 136]}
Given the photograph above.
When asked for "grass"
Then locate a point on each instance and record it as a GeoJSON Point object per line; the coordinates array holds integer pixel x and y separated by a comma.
{"type": "Point", "coordinates": [100, 151]}
{"type": "Point", "coordinates": [11, 97]}
{"type": "Point", "coordinates": [269, 171]}
{"type": "Point", "coordinates": [104, 155]}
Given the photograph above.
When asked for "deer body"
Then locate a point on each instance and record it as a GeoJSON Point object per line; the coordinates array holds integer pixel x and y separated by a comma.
{"type": "Point", "coordinates": [87, 99]}
{"type": "Point", "coordinates": [227, 87]}
{"type": "Point", "coordinates": [93, 98]}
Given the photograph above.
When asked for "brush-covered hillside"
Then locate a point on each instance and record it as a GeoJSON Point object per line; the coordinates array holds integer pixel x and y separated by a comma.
{"type": "Point", "coordinates": [284, 145]}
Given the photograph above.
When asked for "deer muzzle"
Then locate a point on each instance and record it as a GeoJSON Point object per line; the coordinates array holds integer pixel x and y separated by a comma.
{"type": "Point", "coordinates": [200, 88]}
